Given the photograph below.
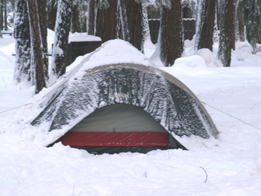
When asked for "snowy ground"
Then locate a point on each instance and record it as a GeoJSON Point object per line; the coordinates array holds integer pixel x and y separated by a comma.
{"type": "Point", "coordinates": [228, 166]}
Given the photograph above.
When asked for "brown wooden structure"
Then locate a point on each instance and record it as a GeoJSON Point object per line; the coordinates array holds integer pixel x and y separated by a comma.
{"type": "Point", "coordinates": [189, 28]}
{"type": "Point", "coordinates": [76, 49]}
{"type": "Point", "coordinates": [154, 25]}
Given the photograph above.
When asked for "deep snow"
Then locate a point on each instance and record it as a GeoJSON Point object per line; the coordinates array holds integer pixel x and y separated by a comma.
{"type": "Point", "coordinates": [228, 166]}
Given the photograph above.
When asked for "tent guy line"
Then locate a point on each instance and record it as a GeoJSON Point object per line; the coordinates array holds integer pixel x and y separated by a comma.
{"type": "Point", "coordinates": [232, 116]}
{"type": "Point", "coordinates": [15, 108]}
{"type": "Point", "coordinates": [201, 102]}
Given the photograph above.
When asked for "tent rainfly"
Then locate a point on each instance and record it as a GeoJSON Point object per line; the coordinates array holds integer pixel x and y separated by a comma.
{"type": "Point", "coordinates": [116, 101]}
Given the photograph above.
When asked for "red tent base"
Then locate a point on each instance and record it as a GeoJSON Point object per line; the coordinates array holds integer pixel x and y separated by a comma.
{"type": "Point", "coordinates": [115, 139]}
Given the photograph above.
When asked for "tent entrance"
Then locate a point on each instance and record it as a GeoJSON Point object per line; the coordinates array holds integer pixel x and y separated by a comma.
{"type": "Point", "coordinates": [119, 128]}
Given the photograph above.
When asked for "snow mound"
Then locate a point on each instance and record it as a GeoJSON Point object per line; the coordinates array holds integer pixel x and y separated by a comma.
{"type": "Point", "coordinates": [193, 61]}
{"type": "Point", "coordinates": [189, 43]}
{"type": "Point", "coordinates": [188, 65]}
{"type": "Point", "coordinates": [209, 58]}
{"type": "Point", "coordinates": [155, 58]}
{"type": "Point", "coordinates": [244, 50]}
{"type": "Point", "coordinates": [148, 44]}
{"type": "Point", "coordinates": [115, 52]}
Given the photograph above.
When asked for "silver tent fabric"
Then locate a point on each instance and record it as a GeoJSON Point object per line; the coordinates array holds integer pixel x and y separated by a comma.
{"type": "Point", "coordinates": [119, 118]}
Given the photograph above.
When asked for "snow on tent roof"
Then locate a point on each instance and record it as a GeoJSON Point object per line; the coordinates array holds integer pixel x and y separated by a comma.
{"type": "Point", "coordinates": [83, 37]}
{"type": "Point", "coordinates": [118, 73]}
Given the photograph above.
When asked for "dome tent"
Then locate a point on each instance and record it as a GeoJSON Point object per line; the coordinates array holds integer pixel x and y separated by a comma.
{"type": "Point", "coordinates": [116, 99]}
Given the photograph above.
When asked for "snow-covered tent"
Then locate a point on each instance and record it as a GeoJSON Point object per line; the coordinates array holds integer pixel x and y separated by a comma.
{"type": "Point", "coordinates": [116, 100]}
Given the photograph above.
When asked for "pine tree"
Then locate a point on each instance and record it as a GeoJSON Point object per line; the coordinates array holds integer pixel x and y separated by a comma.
{"type": "Point", "coordinates": [130, 21]}
{"type": "Point", "coordinates": [51, 13]}
{"type": "Point", "coordinates": [241, 29]}
{"type": "Point", "coordinates": [37, 62]}
{"type": "Point", "coordinates": [205, 26]}
{"type": "Point", "coordinates": [1, 18]}
{"type": "Point", "coordinates": [83, 9]}
{"type": "Point", "coordinates": [134, 23]}
{"type": "Point", "coordinates": [124, 20]}
{"type": "Point", "coordinates": [5, 14]}
{"type": "Point", "coordinates": [91, 20]}
{"type": "Point", "coordinates": [62, 28]}
{"type": "Point", "coordinates": [23, 43]}
{"type": "Point", "coordinates": [75, 23]}
{"type": "Point", "coordinates": [250, 11]}
{"type": "Point", "coordinates": [42, 5]}
{"type": "Point", "coordinates": [171, 33]}
{"type": "Point", "coordinates": [107, 22]}
{"type": "Point", "coordinates": [227, 30]}
{"type": "Point", "coordinates": [145, 26]}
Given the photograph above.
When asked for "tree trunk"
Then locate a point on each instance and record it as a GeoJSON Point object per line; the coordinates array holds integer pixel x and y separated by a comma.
{"type": "Point", "coordinates": [217, 13]}
{"type": "Point", "coordinates": [5, 11]}
{"type": "Point", "coordinates": [241, 29]}
{"type": "Point", "coordinates": [145, 26]}
{"type": "Point", "coordinates": [1, 16]}
{"type": "Point", "coordinates": [124, 20]}
{"type": "Point", "coordinates": [107, 22]}
{"type": "Point", "coordinates": [227, 31]}
{"type": "Point", "coordinates": [134, 17]}
{"type": "Point", "coordinates": [205, 27]}
{"type": "Point", "coordinates": [233, 44]}
{"type": "Point", "coordinates": [91, 18]}
{"type": "Point", "coordinates": [60, 45]}
{"type": "Point", "coordinates": [22, 71]}
{"type": "Point", "coordinates": [171, 35]}
{"type": "Point", "coordinates": [51, 15]}
{"type": "Point", "coordinates": [83, 8]}
{"type": "Point", "coordinates": [43, 27]}
{"type": "Point", "coordinates": [75, 23]}
{"type": "Point", "coordinates": [37, 62]}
